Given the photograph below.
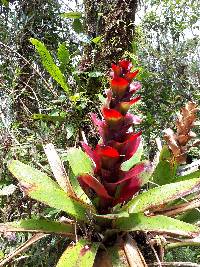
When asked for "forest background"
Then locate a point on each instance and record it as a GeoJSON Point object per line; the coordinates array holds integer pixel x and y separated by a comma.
{"type": "Point", "coordinates": [161, 38]}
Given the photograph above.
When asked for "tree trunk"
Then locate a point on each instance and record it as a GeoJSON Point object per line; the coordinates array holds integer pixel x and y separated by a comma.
{"type": "Point", "coordinates": [113, 20]}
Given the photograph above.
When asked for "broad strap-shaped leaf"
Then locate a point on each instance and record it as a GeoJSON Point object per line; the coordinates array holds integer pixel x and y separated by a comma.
{"type": "Point", "coordinates": [38, 225]}
{"type": "Point", "coordinates": [63, 56]}
{"type": "Point", "coordinates": [42, 188]}
{"type": "Point", "coordinates": [80, 255]}
{"type": "Point", "coordinates": [158, 224]}
{"type": "Point", "coordinates": [135, 159]}
{"type": "Point", "coordinates": [158, 196]}
{"type": "Point", "coordinates": [48, 63]}
{"type": "Point", "coordinates": [79, 163]}
{"type": "Point", "coordinates": [50, 118]}
{"type": "Point", "coordinates": [192, 175]}
{"type": "Point", "coordinates": [191, 216]}
{"type": "Point", "coordinates": [72, 15]}
{"type": "Point", "coordinates": [165, 171]}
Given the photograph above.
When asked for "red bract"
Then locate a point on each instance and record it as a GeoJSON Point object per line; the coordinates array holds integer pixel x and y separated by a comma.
{"type": "Point", "coordinates": [119, 85]}
{"type": "Point", "coordinates": [118, 144]}
{"type": "Point", "coordinates": [123, 107]}
{"type": "Point", "coordinates": [131, 75]}
{"type": "Point", "coordinates": [125, 64]}
{"type": "Point", "coordinates": [116, 69]}
{"type": "Point", "coordinates": [111, 114]}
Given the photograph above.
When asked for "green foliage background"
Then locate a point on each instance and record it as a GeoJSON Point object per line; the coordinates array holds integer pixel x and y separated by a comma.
{"type": "Point", "coordinates": [35, 109]}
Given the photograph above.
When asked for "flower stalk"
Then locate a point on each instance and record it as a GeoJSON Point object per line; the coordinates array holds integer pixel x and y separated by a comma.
{"type": "Point", "coordinates": [119, 142]}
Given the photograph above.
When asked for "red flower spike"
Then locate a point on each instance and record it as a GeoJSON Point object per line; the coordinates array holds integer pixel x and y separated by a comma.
{"type": "Point", "coordinates": [118, 144]}
{"type": "Point", "coordinates": [119, 86]}
{"type": "Point", "coordinates": [116, 69]}
{"type": "Point", "coordinates": [134, 100]}
{"type": "Point", "coordinates": [93, 183]}
{"type": "Point", "coordinates": [125, 64]}
{"type": "Point", "coordinates": [130, 183]}
{"type": "Point", "coordinates": [132, 176]}
{"type": "Point", "coordinates": [102, 127]}
{"type": "Point", "coordinates": [135, 171]}
{"type": "Point", "coordinates": [95, 120]}
{"type": "Point", "coordinates": [131, 75]}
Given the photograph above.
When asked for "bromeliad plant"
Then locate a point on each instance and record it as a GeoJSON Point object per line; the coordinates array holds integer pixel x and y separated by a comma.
{"type": "Point", "coordinates": [119, 142]}
{"type": "Point", "coordinates": [104, 196]}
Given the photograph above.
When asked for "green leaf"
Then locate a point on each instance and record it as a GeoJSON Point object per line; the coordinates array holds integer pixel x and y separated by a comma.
{"type": "Point", "coordinates": [63, 56]}
{"type": "Point", "coordinates": [72, 15]}
{"type": "Point", "coordinates": [80, 255]}
{"type": "Point", "coordinates": [191, 216]}
{"type": "Point", "coordinates": [1, 254]}
{"type": "Point", "coordinates": [78, 189]}
{"type": "Point", "coordinates": [111, 216]}
{"type": "Point", "coordinates": [101, 98]}
{"type": "Point", "coordinates": [48, 63]}
{"type": "Point", "coordinates": [77, 26]}
{"type": "Point", "coordinates": [189, 176]}
{"type": "Point", "coordinates": [50, 118]}
{"type": "Point", "coordinates": [79, 163]}
{"type": "Point", "coordinates": [97, 39]}
{"type": "Point", "coordinates": [127, 165]}
{"type": "Point", "coordinates": [159, 223]}
{"type": "Point", "coordinates": [5, 3]}
{"type": "Point", "coordinates": [166, 169]}
{"type": "Point", "coordinates": [42, 188]}
{"type": "Point", "coordinates": [70, 129]}
{"type": "Point", "coordinates": [158, 196]}
{"type": "Point", "coordinates": [38, 225]}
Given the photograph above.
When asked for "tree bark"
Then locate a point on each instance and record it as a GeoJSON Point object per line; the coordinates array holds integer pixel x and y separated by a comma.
{"type": "Point", "coordinates": [114, 22]}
